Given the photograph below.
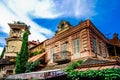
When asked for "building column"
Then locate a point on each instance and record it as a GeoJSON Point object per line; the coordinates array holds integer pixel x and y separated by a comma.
{"type": "Point", "coordinates": [89, 42]}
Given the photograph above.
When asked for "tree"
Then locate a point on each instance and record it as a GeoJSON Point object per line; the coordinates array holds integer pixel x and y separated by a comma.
{"type": "Point", "coordinates": [22, 56]}
{"type": "Point", "coordinates": [30, 66]}
{"type": "Point", "coordinates": [2, 54]}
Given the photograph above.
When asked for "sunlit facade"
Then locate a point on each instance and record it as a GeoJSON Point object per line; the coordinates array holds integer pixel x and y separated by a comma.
{"type": "Point", "coordinates": [75, 42]}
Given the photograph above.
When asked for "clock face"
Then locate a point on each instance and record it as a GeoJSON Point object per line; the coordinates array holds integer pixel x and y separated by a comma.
{"type": "Point", "coordinates": [11, 48]}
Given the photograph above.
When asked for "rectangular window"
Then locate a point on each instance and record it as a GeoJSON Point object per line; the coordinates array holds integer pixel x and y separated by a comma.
{"type": "Point", "coordinates": [94, 46]}
{"type": "Point", "coordinates": [64, 47]}
{"type": "Point", "coordinates": [100, 49]}
{"type": "Point", "coordinates": [51, 54]}
{"type": "Point", "coordinates": [105, 51]}
{"type": "Point", "coordinates": [76, 45]}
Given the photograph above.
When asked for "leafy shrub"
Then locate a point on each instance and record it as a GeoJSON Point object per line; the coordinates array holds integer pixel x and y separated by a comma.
{"type": "Point", "coordinates": [73, 66]}
{"type": "Point", "coordinates": [37, 52]}
{"type": "Point", "coordinates": [106, 74]}
{"type": "Point", "coordinates": [30, 66]}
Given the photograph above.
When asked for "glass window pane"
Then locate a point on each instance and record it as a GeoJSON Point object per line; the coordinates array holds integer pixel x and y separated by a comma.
{"type": "Point", "coordinates": [76, 46]}
{"type": "Point", "coordinates": [63, 47]}
{"type": "Point", "coordinates": [94, 46]}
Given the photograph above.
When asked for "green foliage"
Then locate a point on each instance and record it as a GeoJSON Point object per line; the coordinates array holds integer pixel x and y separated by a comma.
{"type": "Point", "coordinates": [22, 56]}
{"type": "Point", "coordinates": [18, 64]}
{"type": "Point", "coordinates": [73, 66]}
{"type": "Point", "coordinates": [30, 66]}
{"type": "Point", "coordinates": [35, 53]}
{"type": "Point", "coordinates": [1, 56]}
{"type": "Point", "coordinates": [18, 22]}
{"type": "Point", "coordinates": [106, 74]}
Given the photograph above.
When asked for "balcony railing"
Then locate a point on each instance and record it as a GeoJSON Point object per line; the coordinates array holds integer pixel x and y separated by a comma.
{"type": "Point", "coordinates": [63, 56]}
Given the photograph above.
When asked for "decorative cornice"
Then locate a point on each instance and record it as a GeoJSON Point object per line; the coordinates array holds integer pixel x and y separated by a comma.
{"type": "Point", "coordinates": [19, 26]}
{"type": "Point", "coordinates": [95, 30]}
{"type": "Point", "coordinates": [73, 30]}
{"type": "Point", "coordinates": [12, 39]}
{"type": "Point", "coordinates": [66, 33]}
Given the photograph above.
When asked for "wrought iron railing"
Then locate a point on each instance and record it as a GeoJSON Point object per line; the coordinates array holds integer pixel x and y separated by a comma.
{"type": "Point", "coordinates": [61, 56]}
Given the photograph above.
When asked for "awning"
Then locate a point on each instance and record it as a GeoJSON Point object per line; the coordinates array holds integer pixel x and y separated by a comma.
{"type": "Point", "coordinates": [34, 58]}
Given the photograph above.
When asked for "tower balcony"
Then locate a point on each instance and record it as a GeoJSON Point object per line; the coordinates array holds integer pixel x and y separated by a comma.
{"type": "Point", "coordinates": [62, 57]}
{"type": "Point", "coordinates": [15, 35]}
{"type": "Point", "coordinates": [10, 39]}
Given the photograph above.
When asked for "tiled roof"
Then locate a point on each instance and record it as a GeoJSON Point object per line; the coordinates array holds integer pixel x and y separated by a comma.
{"type": "Point", "coordinates": [94, 61]}
{"type": "Point", "coordinates": [55, 66]}
{"type": "Point", "coordinates": [98, 68]}
{"type": "Point", "coordinates": [96, 64]}
{"type": "Point", "coordinates": [36, 45]}
{"type": "Point", "coordinates": [34, 58]}
{"type": "Point", "coordinates": [33, 42]}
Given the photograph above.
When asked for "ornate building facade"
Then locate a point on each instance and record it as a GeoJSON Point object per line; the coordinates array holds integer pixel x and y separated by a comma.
{"type": "Point", "coordinates": [69, 43]}
{"type": "Point", "coordinates": [114, 46]}
{"type": "Point", "coordinates": [14, 41]}
{"type": "Point", "coordinates": [75, 42]}
{"type": "Point", "coordinates": [13, 46]}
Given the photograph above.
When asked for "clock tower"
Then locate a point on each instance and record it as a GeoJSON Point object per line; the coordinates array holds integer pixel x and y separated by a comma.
{"type": "Point", "coordinates": [14, 41]}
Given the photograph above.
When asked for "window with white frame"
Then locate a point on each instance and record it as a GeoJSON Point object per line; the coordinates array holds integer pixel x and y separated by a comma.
{"type": "Point", "coordinates": [76, 44]}
{"type": "Point", "coordinates": [100, 49]}
{"type": "Point", "coordinates": [94, 46]}
{"type": "Point", "coordinates": [64, 47]}
{"type": "Point", "coordinates": [51, 53]}
{"type": "Point", "coordinates": [105, 51]}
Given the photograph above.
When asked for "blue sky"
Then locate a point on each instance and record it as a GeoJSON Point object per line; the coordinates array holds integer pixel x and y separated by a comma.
{"type": "Point", "coordinates": [44, 16]}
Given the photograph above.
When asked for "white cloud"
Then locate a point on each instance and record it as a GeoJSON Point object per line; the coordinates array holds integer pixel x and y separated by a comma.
{"type": "Point", "coordinates": [19, 10]}
{"type": "Point", "coordinates": [84, 8]}
{"type": "Point", "coordinates": [5, 17]}
{"type": "Point", "coordinates": [26, 10]}
{"type": "Point", "coordinates": [76, 8]}
{"type": "Point", "coordinates": [45, 9]}
{"type": "Point", "coordinates": [12, 10]}
{"type": "Point", "coordinates": [61, 8]}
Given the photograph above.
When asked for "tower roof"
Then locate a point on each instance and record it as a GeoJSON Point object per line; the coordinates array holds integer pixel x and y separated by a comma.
{"type": "Point", "coordinates": [18, 25]}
